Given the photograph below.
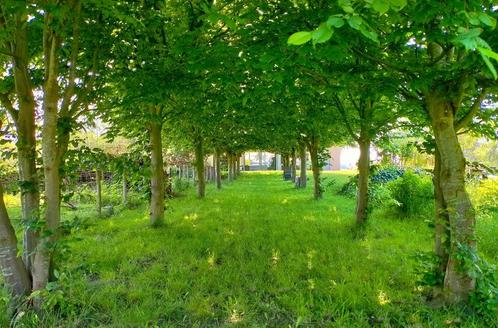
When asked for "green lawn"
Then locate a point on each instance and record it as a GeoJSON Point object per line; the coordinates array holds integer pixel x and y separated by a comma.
{"type": "Point", "coordinates": [258, 253]}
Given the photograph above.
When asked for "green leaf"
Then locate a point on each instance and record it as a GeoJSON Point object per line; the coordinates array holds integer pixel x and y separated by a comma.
{"type": "Point", "coordinates": [487, 20]}
{"type": "Point", "coordinates": [322, 34]}
{"type": "Point", "coordinates": [335, 21]}
{"type": "Point", "coordinates": [490, 65]}
{"type": "Point", "coordinates": [473, 18]}
{"type": "Point", "coordinates": [397, 4]}
{"type": "Point", "coordinates": [346, 6]}
{"type": "Point", "coordinates": [355, 22]}
{"type": "Point", "coordinates": [468, 38]}
{"type": "Point", "coordinates": [299, 38]}
{"type": "Point", "coordinates": [381, 6]}
{"type": "Point", "coordinates": [372, 35]}
{"type": "Point", "coordinates": [488, 53]}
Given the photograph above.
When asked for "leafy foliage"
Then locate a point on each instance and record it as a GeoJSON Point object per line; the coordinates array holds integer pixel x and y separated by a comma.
{"type": "Point", "coordinates": [413, 193]}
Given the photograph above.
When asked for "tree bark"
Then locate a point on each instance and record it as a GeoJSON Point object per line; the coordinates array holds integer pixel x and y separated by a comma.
{"type": "Point", "coordinates": [293, 166]}
{"type": "Point", "coordinates": [230, 166]}
{"type": "Point", "coordinates": [315, 167]}
{"type": "Point", "coordinates": [51, 160]}
{"type": "Point", "coordinates": [302, 155]}
{"type": "Point", "coordinates": [157, 171]}
{"type": "Point", "coordinates": [15, 275]}
{"type": "Point", "coordinates": [218, 169]}
{"type": "Point", "coordinates": [237, 163]}
{"type": "Point", "coordinates": [124, 189]}
{"type": "Point", "coordinates": [234, 167]}
{"type": "Point", "coordinates": [26, 140]}
{"type": "Point", "coordinates": [363, 169]}
{"type": "Point", "coordinates": [98, 183]}
{"type": "Point", "coordinates": [441, 220]}
{"type": "Point", "coordinates": [458, 284]}
{"type": "Point", "coordinates": [199, 166]}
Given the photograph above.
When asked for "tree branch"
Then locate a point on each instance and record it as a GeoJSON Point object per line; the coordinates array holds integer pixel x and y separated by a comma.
{"type": "Point", "coordinates": [75, 45]}
{"type": "Point", "coordinates": [342, 111]}
{"type": "Point", "coordinates": [472, 112]}
{"type": "Point", "coordinates": [7, 103]}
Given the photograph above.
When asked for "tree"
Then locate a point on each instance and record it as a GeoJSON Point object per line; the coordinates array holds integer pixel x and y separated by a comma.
{"type": "Point", "coordinates": [438, 49]}
{"type": "Point", "coordinates": [61, 46]}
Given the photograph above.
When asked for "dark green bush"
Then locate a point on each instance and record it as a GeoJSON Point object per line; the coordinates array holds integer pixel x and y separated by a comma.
{"type": "Point", "coordinates": [412, 193]}
{"type": "Point", "coordinates": [379, 175]}
{"type": "Point", "coordinates": [385, 174]}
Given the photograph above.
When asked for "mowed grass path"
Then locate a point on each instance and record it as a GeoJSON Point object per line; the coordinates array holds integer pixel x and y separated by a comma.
{"type": "Point", "coordinates": [258, 253]}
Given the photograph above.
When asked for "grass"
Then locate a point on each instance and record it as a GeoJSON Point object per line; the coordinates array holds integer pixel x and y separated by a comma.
{"type": "Point", "coordinates": [258, 253]}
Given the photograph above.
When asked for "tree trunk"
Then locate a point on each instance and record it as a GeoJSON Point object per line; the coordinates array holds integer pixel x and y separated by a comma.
{"type": "Point", "coordinates": [26, 142]}
{"type": "Point", "coordinates": [30, 197]}
{"type": "Point", "coordinates": [199, 166]}
{"type": "Point", "coordinates": [234, 167]}
{"type": "Point", "coordinates": [15, 276]}
{"type": "Point", "coordinates": [157, 178]}
{"type": "Point", "coordinates": [441, 220]}
{"type": "Point", "coordinates": [315, 167]}
{"type": "Point", "coordinates": [302, 155]}
{"type": "Point", "coordinates": [124, 189]}
{"type": "Point", "coordinates": [363, 169]}
{"type": "Point", "coordinates": [51, 165]}
{"type": "Point", "coordinates": [98, 183]}
{"type": "Point", "coordinates": [458, 284]}
{"type": "Point", "coordinates": [218, 169]}
{"type": "Point", "coordinates": [237, 163]}
{"type": "Point", "coordinates": [293, 166]}
{"type": "Point", "coordinates": [230, 167]}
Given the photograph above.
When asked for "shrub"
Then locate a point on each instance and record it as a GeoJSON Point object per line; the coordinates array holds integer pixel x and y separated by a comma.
{"type": "Point", "coordinates": [380, 196]}
{"type": "Point", "coordinates": [385, 174]}
{"type": "Point", "coordinates": [379, 175]}
{"type": "Point", "coordinates": [485, 195]}
{"type": "Point", "coordinates": [412, 193]}
{"type": "Point", "coordinates": [180, 185]}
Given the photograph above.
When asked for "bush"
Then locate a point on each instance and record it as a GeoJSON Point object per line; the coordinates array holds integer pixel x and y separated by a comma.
{"type": "Point", "coordinates": [385, 174]}
{"type": "Point", "coordinates": [485, 195]}
{"type": "Point", "coordinates": [412, 193]}
{"type": "Point", "coordinates": [380, 196]}
{"type": "Point", "coordinates": [379, 175]}
{"type": "Point", "coordinates": [180, 185]}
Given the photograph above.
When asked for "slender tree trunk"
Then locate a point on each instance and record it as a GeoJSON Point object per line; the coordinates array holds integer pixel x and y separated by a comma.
{"type": "Point", "coordinates": [363, 169]}
{"type": "Point", "coordinates": [51, 164]}
{"type": "Point", "coordinates": [234, 167]}
{"type": "Point", "coordinates": [441, 220]}
{"type": "Point", "coordinates": [199, 166]}
{"type": "Point", "coordinates": [30, 197]}
{"type": "Point", "coordinates": [238, 165]}
{"type": "Point", "coordinates": [157, 178]}
{"type": "Point", "coordinates": [98, 183]}
{"type": "Point", "coordinates": [218, 169]}
{"type": "Point", "coordinates": [458, 284]}
{"type": "Point", "coordinates": [15, 276]}
{"type": "Point", "coordinates": [293, 166]}
{"type": "Point", "coordinates": [315, 167]}
{"type": "Point", "coordinates": [302, 155]}
{"type": "Point", "coordinates": [26, 142]}
{"type": "Point", "coordinates": [124, 189]}
{"type": "Point", "coordinates": [230, 167]}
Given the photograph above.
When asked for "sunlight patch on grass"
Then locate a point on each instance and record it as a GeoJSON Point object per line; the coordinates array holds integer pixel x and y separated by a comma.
{"type": "Point", "coordinates": [382, 298]}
